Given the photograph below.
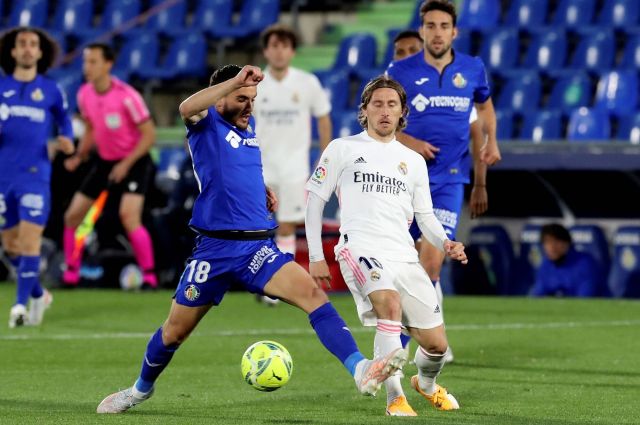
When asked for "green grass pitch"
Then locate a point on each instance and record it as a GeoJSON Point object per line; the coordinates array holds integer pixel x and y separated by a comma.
{"type": "Point", "coordinates": [517, 361]}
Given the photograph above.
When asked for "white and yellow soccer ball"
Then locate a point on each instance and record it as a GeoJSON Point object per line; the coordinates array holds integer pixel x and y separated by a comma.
{"type": "Point", "coordinates": [266, 365]}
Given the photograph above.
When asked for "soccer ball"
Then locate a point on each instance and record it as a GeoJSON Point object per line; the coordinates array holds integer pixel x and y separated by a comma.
{"type": "Point", "coordinates": [266, 366]}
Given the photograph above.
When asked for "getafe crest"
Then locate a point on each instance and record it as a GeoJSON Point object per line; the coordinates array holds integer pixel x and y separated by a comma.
{"type": "Point", "coordinates": [37, 95]}
{"type": "Point", "coordinates": [459, 81]}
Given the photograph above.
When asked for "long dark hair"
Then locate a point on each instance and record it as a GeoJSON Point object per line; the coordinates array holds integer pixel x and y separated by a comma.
{"type": "Point", "coordinates": [48, 46]}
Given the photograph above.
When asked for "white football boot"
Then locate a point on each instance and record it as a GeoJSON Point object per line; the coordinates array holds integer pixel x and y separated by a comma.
{"type": "Point", "coordinates": [37, 307]}
{"type": "Point", "coordinates": [122, 401]}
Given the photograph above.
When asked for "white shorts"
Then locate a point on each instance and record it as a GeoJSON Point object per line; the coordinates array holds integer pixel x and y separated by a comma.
{"type": "Point", "coordinates": [292, 197]}
{"type": "Point", "coordinates": [364, 273]}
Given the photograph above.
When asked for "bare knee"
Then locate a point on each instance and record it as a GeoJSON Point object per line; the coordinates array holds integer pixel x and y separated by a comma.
{"type": "Point", "coordinates": [437, 348]}
{"type": "Point", "coordinates": [72, 218]}
{"type": "Point", "coordinates": [386, 304]}
{"type": "Point", "coordinates": [130, 219]}
{"type": "Point", "coordinates": [174, 333]}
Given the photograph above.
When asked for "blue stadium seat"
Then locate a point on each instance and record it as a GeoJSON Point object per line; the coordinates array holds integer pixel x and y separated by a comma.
{"type": "Point", "coordinates": [255, 16]}
{"type": "Point", "coordinates": [356, 52]}
{"type": "Point", "coordinates": [210, 13]}
{"type": "Point", "coordinates": [527, 14]}
{"type": "Point", "coordinates": [629, 128]}
{"type": "Point", "coordinates": [574, 13]}
{"type": "Point", "coordinates": [521, 93]}
{"type": "Point", "coordinates": [387, 58]}
{"type": "Point", "coordinates": [547, 50]}
{"type": "Point", "coordinates": [70, 82]}
{"type": "Point", "coordinates": [136, 54]}
{"type": "Point", "coordinates": [631, 54]}
{"type": "Point", "coordinates": [462, 43]}
{"type": "Point", "coordinates": [530, 257]}
{"type": "Point", "coordinates": [73, 16]}
{"type": "Point", "coordinates": [588, 125]}
{"type": "Point", "coordinates": [504, 126]}
{"type": "Point", "coordinates": [169, 21]}
{"type": "Point", "coordinates": [345, 123]}
{"type": "Point", "coordinates": [479, 14]}
{"type": "Point", "coordinates": [571, 92]}
{"type": "Point", "coordinates": [617, 92]}
{"type": "Point", "coordinates": [114, 15]}
{"type": "Point", "coordinates": [29, 13]}
{"type": "Point", "coordinates": [619, 13]}
{"type": "Point", "coordinates": [415, 22]}
{"type": "Point", "coordinates": [595, 52]}
{"type": "Point", "coordinates": [542, 126]}
{"type": "Point", "coordinates": [168, 168]}
{"type": "Point", "coordinates": [591, 239]}
{"type": "Point", "coordinates": [624, 278]}
{"type": "Point", "coordinates": [493, 245]}
{"type": "Point", "coordinates": [336, 86]}
{"type": "Point", "coordinates": [500, 49]}
{"type": "Point", "coordinates": [187, 57]}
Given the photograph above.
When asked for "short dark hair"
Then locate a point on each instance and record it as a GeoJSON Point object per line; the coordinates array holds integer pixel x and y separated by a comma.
{"type": "Point", "coordinates": [407, 34]}
{"type": "Point", "coordinates": [441, 5]}
{"type": "Point", "coordinates": [556, 231]}
{"type": "Point", "coordinates": [381, 82]}
{"type": "Point", "coordinates": [107, 51]}
{"type": "Point", "coordinates": [223, 74]}
{"type": "Point", "coordinates": [281, 32]}
{"type": "Point", "coordinates": [48, 46]}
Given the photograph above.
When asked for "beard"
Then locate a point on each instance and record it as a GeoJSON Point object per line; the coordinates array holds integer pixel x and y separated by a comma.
{"type": "Point", "coordinates": [234, 116]}
{"type": "Point", "coordinates": [439, 55]}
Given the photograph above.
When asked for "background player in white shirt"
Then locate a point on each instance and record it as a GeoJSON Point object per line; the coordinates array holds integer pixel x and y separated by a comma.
{"type": "Point", "coordinates": [381, 185]}
{"type": "Point", "coordinates": [289, 98]}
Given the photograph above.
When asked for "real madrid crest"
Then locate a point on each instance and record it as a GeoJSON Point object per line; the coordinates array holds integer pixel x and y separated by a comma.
{"type": "Point", "coordinates": [37, 95]}
{"type": "Point", "coordinates": [295, 98]}
{"type": "Point", "coordinates": [402, 167]}
{"type": "Point", "coordinates": [459, 81]}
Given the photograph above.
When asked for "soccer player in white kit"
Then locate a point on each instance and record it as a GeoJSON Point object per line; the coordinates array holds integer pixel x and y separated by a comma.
{"type": "Point", "coordinates": [289, 98]}
{"type": "Point", "coordinates": [381, 185]}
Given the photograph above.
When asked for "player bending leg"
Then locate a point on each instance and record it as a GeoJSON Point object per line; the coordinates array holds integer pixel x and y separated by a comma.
{"type": "Point", "coordinates": [381, 184]}
{"type": "Point", "coordinates": [233, 218]}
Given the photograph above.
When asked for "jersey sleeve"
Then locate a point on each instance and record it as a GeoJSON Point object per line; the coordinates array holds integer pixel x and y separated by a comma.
{"type": "Point", "coordinates": [60, 111]}
{"type": "Point", "coordinates": [320, 105]}
{"type": "Point", "coordinates": [135, 107]}
{"type": "Point", "coordinates": [324, 179]}
{"type": "Point", "coordinates": [482, 91]}
{"type": "Point", "coordinates": [427, 221]}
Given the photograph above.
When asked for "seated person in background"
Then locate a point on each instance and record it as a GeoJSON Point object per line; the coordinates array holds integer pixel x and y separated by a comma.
{"type": "Point", "coordinates": [564, 271]}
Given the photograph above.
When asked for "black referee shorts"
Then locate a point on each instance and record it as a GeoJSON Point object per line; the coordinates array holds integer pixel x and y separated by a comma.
{"type": "Point", "coordinates": [137, 181]}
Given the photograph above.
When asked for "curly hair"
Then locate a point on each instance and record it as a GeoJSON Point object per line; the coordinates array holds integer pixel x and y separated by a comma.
{"type": "Point", "coordinates": [48, 46]}
{"type": "Point", "coordinates": [382, 82]}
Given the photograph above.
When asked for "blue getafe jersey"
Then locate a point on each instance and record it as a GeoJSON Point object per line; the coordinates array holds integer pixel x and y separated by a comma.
{"type": "Point", "coordinates": [440, 105]}
{"type": "Point", "coordinates": [27, 112]}
{"type": "Point", "coordinates": [228, 168]}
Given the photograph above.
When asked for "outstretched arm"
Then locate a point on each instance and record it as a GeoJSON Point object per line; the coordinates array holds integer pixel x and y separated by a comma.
{"type": "Point", "coordinates": [194, 108]}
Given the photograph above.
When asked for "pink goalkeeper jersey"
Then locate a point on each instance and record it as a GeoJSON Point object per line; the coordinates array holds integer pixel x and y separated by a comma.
{"type": "Point", "coordinates": [114, 117]}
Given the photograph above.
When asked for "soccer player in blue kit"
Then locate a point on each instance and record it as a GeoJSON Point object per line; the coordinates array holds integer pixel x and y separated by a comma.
{"type": "Point", "coordinates": [441, 85]}
{"type": "Point", "coordinates": [233, 218]}
{"type": "Point", "coordinates": [29, 104]}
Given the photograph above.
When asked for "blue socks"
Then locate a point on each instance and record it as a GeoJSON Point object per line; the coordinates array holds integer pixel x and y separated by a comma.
{"type": "Point", "coordinates": [404, 339]}
{"type": "Point", "coordinates": [156, 358]}
{"type": "Point", "coordinates": [28, 279]}
{"type": "Point", "coordinates": [335, 336]}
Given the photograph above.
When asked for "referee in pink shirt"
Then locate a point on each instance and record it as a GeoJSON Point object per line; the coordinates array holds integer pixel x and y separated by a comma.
{"type": "Point", "coordinates": [119, 124]}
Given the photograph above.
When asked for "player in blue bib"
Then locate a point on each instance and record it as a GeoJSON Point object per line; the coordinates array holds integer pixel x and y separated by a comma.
{"type": "Point", "coordinates": [30, 105]}
{"type": "Point", "coordinates": [233, 218]}
{"type": "Point", "coordinates": [442, 87]}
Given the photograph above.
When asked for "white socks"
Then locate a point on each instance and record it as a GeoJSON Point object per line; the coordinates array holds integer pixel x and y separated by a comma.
{"type": "Point", "coordinates": [429, 367]}
{"type": "Point", "coordinates": [387, 339]}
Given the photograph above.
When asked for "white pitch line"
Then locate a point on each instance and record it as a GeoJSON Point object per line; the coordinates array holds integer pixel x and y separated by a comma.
{"type": "Point", "coordinates": [308, 331]}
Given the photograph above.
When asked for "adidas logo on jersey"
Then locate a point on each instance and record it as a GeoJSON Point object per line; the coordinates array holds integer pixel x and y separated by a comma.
{"type": "Point", "coordinates": [360, 161]}
{"type": "Point", "coordinates": [437, 309]}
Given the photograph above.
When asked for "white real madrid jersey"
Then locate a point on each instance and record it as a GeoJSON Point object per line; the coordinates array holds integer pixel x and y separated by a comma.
{"type": "Point", "coordinates": [283, 111]}
{"type": "Point", "coordinates": [379, 187]}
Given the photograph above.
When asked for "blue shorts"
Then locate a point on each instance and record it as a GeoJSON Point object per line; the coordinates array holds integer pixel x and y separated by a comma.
{"type": "Point", "coordinates": [24, 200]}
{"type": "Point", "coordinates": [216, 264]}
{"type": "Point", "coordinates": [447, 204]}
